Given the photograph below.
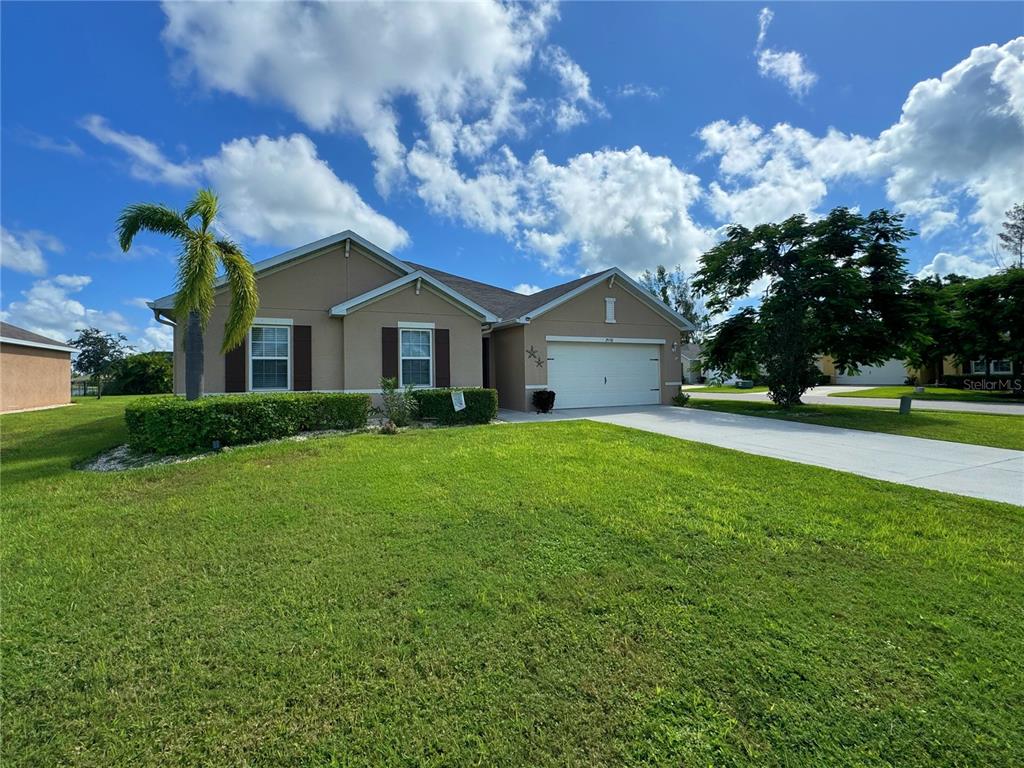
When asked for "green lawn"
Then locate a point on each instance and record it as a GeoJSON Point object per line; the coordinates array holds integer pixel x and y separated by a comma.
{"type": "Point", "coordinates": [727, 389]}
{"type": "Point", "coordinates": [999, 431]}
{"type": "Point", "coordinates": [934, 393]}
{"type": "Point", "coordinates": [568, 593]}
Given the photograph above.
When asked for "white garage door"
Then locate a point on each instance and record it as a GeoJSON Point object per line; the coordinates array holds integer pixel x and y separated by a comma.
{"type": "Point", "coordinates": [888, 373]}
{"type": "Point", "coordinates": [589, 374]}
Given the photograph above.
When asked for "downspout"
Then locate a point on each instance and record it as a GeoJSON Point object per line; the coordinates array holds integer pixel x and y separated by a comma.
{"type": "Point", "coordinates": [160, 319]}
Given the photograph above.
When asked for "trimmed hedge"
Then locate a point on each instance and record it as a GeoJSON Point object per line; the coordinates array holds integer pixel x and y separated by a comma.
{"type": "Point", "coordinates": [481, 405]}
{"type": "Point", "coordinates": [173, 425]}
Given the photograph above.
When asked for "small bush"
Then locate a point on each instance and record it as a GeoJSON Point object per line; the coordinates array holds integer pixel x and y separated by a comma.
{"type": "Point", "coordinates": [173, 425]}
{"type": "Point", "coordinates": [681, 399]}
{"type": "Point", "coordinates": [543, 400]}
{"type": "Point", "coordinates": [397, 405]}
{"type": "Point", "coordinates": [481, 405]}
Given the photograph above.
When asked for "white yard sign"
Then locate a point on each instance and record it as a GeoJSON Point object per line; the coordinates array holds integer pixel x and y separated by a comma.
{"type": "Point", "coordinates": [458, 401]}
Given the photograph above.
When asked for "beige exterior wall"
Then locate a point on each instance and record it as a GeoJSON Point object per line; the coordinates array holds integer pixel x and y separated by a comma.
{"type": "Point", "coordinates": [584, 315]}
{"type": "Point", "coordinates": [33, 378]}
{"type": "Point", "coordinates": [362, 336]}
{"type": "Point", "coordinates": [303, 292]}
{"type": "Point", "coordinates": [509, 355]}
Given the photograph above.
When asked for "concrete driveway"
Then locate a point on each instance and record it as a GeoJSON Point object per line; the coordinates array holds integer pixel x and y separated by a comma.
{"type": "Point", "coordinates": [821, 396]}
{"type": "Point", "coordinates": [969, 470]}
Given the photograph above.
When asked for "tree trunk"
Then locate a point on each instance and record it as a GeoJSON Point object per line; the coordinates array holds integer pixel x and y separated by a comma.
{"type": "Point", "coordinates": [193, 357]}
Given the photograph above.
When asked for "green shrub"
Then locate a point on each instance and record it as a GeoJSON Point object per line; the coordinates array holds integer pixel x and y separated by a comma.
{"type": "Point", "coordinates": [173, 425]}
{"type": "Point", "coordinates": [436, 404]}
{"type": "Point", "coordinates": [396, 405]}
{"type": "Point", "coordinates": [680, 399]}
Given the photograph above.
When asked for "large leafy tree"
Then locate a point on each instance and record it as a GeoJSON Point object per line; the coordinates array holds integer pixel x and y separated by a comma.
{"type": "Point", "coordinates": [1011, 239]}
{"type": "Point", "coordinates": [148, 373]}
{"type": "Point", "coordinates": [673, 287]}
{"type": "Point", "coordinates": [831, 287]}
{"type": "Point", "coordinates": [989, 318]}
{"type": "Point", "coordinates": [935, 330]}
{"type": "Point", "coordinates": [98, 354]}
{"type": "Point", "coordinates": [202, 250]}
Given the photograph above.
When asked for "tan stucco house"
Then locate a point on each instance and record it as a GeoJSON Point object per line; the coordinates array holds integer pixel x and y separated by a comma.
{"type": "Point", "coordinates": [35, 371]}
{"type": "Point", "coordinates": [340, 313]}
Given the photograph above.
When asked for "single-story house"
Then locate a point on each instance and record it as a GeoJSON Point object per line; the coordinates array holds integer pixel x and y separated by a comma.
{"type": "Point", "coordinates": [35, 371]}
{"type": "Point", "coordinates": [340, 313]}
{"type": "Point", "coordinates": [896, 372]}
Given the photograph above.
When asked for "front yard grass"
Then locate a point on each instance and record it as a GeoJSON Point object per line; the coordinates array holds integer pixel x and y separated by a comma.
{"type": "Point", "coordinates": [570, 593]}
{"type": "Point", "coordinates": [996, 430]}
{"type": "Point", "coordinates": [935, 393]}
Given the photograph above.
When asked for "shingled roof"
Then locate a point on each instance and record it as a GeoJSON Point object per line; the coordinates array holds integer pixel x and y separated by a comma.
{"type": "Point", "coordinates": [14, 334]}
{"type": "Point", "coordinates": [506, 304]}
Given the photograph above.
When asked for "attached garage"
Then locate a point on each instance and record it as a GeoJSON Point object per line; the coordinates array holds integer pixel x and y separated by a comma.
{"type": "Point", "coordinates": [891, 372]}
{"type": "Point", "coordinates": [587, 374]}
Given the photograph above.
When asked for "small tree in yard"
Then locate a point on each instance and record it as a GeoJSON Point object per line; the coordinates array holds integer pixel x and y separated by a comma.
{"type": "Point", "coordinates": [98, 353]}
{"type": "Point", "coordinates": [148, 373]}
{"type": "Point", "coordinates": [834, 287]}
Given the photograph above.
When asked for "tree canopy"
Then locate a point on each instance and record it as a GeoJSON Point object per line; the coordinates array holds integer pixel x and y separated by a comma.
{"type": "Point", "coordinates": [98, 353]}
{"type": "Point", "coordinates": [835, 286]}
{"type": "Point", "coordinates": [673, 287]}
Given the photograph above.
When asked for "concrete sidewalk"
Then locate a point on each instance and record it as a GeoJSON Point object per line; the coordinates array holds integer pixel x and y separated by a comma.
{"type": "Point", "coordinates": [820, 396]}
{"type": "Point", "coordinates": [969, 470]}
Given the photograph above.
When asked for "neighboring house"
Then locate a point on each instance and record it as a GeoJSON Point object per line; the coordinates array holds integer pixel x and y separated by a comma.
{"type": "Point", "coordinates": [898, 372]}
{"type": "Point", "coordinates": [35, 371]}
{"type": "Point", "coordinates": [340, 313]}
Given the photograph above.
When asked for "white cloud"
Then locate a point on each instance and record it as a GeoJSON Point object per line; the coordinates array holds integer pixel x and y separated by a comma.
{"type": "Point", "coordinates": [23, 251]}
{"type": "Point", "coordinates": [527, 289]}
{"type": "Point", "coordinates": [275, 191]}
{"type": "Point", "coordinates": [788, 67]}
{"type": "Point", "coordinates": [280, 191]}
{"type": "Point", "coordinates": [950, 264]}
{"type": "Point", "coordinates": [577, 103]}
{"type": "Point", "coordinates": [930, 159]}
{"type": "Point", "coordinates": [139, 303]}
{"type": "Point", "coordinates": [148, 161]}
{"type": "Point", "coordinates": [48, 308]}
{"type": "Point", "coordinates": [460, 63]}
{"type": "Point", "coordinates": [156, 337]}
{"type": "Point", "coordinates": [50, 144]}
{"type": "Point", "coordinates": [638, 90]}
{"type": "Point", "coordinates": [626, 208]}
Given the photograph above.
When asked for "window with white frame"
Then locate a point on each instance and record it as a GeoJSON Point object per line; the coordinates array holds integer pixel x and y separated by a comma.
{"type": "Point", "coordinates": [415, 357]}
{"type": "Point", "coordinates": [1002, 366]}
{"type": "Point", "coordinates": [978, 366]}
{"type": "Point", "coordinates": [268, 357]}
{"type": "Point", "coordinates": [609, 310]}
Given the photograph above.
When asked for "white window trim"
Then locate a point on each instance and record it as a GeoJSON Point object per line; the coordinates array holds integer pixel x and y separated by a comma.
{"type": "Point", "coordinates": [415, 325]}
{"type": "Point", "coordinates": [273, 321]}
{"type": "Point", "coordinates": [1009, 366]}
{"type": "Point", "coordinates": [974, 364]}
{"type": "Point", "coordinates": [609, 308]}
{"type": "Point", "coordinates": [401, 357]}
{"type": "Point", "coordinates": [269, 322]}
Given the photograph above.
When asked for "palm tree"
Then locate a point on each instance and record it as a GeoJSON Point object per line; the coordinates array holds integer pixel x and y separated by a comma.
{"type": "Point", "coordinates": [201, 251]}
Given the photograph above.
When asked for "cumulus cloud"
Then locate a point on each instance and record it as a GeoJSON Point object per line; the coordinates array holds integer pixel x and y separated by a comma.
{"type": "Point", "coordinates": [156, 337]}
{"type": "Point", "coordinates": [952, 264]}
{"type": "Point", "coordinates": [23, 251]}
{"type": "Point", "coordinates": [527, 289]}
{"type": "Point", "coordinates": [280, 191]}
{"type": "Point", "coordinates": [638, 90]}
{"type": "Point", "coordinates": [49, 307]}
{"type": "Point", "coordinates": [459, 63]}
{"type": "Point", "coordinates": [621, 207]}
{"type": "Point", "coordinates": [788, 67]}
{"type": "Point", "coordinates": [276, 191]}
{"type": "Point", "coordinates": [959, 136]}
{"type": "Point", "coordinates": [577, 103]}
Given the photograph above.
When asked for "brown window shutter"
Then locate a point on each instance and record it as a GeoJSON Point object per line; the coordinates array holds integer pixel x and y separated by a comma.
{"type": "Point", "coordinates": [389, 353]}
{"type": "Point", "coordinates": [234, 369]}
{"type": "Point", "coordinates": [442, 359]}
{"type": "Point", "coordinates": [302, 358]}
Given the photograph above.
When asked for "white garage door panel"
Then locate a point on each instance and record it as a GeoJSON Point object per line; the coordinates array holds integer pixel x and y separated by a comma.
{"type": "Point", "coordinates": [888, 373]}
{"type": "Point", "coordinates": [587, 374]}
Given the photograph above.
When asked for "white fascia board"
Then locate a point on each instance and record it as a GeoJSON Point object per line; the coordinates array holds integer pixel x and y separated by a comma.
{"type": "Point", "coordinates": [36, 344]}
{"type": "Point", "coordinates": [167, 302]}
{"type": "Point", "coordinates": [604, 340]}
{"type": "Point", "coordinates": [673, 317]}
{"type": "Point", "coordinates": [340, 310]}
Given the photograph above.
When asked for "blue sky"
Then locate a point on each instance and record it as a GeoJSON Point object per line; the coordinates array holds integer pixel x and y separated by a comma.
{"type": "Point", "coordinates": [518, 145]}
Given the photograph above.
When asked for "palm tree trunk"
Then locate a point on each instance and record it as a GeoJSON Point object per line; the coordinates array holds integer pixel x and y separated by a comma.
{"type": "Point", "coordinates": [193, 357]}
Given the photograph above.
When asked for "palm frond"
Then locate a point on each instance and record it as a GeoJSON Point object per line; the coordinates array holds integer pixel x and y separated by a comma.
{"type": "Point", "coordinates": [244, 299]}
{"type": "Point", "coordinates": [197, 270]}
{"type": "Point", "coordinates": [151, 217]}
{"type": "Point", "coordinates": [204, 204]}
